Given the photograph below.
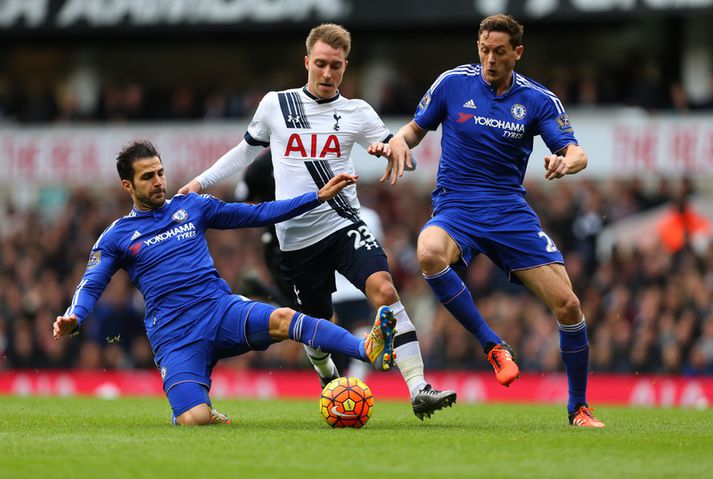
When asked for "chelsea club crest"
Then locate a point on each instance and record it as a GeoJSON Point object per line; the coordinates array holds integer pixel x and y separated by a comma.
{"type": "Point", "coordinates": [518, 111]}
{"type": "Point", "coordinates": [180, 216]}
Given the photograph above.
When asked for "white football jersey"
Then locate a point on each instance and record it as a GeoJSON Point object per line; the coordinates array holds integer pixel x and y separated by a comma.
{"type": "Point", "coordinates": [311, 141]}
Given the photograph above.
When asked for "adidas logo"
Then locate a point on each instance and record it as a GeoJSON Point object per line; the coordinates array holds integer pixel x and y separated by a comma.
{"type": "Point", "coordinates": [135, 235]}
{"type": "Point", "coordinates": [470, 104]}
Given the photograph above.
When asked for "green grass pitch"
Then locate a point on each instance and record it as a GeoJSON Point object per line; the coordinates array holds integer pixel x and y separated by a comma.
{"type": "Point", "coordinates": [133, 438]}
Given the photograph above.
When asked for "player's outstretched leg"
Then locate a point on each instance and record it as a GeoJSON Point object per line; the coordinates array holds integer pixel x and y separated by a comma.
{"type": "Point", "coordinates": [501, 358]}
{"type": "Point", "coordinates": [379, 345]}
{"type": "Point", "coordinates": [425, 399]}
{"type": "Point", "coordinates": [323, 335]}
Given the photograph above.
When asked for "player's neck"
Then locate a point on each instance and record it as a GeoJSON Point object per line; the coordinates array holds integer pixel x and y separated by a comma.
{"type": "Point", "coordinates": [144, 207]}
{"type": "Point", "coordinates": [504, 86]}
{"type": "Point", "coordinates": [307, 89]}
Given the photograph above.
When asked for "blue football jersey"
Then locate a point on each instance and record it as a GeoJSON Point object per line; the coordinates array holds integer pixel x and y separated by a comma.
{"type": "Point", "coordinates": [487, 139]}
{"type": "Point", "coordinates": [166, 255]}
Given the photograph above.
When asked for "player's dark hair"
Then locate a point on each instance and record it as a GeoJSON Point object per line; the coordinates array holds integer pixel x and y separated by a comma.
{"type": "Point", "coordinates": [138, 150]}
{"type": "Point", "coordinates": [336, 36]}
{"type": "Point", "coordinates": [503, 23]}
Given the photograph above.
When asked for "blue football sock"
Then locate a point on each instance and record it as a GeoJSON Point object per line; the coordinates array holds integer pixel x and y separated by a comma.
{"type": "Point", "coordinates": [575, 355]}
{"type": "Point", "coordinates": [453, 294]}
{"type": "Point", "coordinates": [326, 336]}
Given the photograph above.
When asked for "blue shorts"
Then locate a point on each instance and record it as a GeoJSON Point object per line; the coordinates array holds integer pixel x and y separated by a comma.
{"type": "Point", "coordinates": [229, 326]}
{"type": "Point", "coordinates": [506, 230]}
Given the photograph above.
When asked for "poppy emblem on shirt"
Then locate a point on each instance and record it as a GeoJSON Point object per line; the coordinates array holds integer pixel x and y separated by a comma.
{"type": "Point", "coordinates": [180, 216]}
{"type": "Point", "coordinates": [518, 111]}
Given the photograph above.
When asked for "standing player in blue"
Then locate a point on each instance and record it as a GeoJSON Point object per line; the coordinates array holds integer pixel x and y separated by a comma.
{"type": "Point", "coordinates": [192, 318]}
{"type": "Point", "coordinates": [490, 115]}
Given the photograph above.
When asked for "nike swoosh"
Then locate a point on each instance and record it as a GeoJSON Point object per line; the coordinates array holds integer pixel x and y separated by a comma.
{"type": "Point", "coordinates": [341, 414]}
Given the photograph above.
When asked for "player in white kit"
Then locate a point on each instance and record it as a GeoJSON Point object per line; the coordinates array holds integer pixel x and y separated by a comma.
{"type": "Point", "coordinates": [311, 131]}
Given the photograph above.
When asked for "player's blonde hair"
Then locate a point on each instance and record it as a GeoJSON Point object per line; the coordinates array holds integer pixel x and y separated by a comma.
{"type": "Point", "coordinates": [336, 36]}
{"type": "Point", "coordinates": [505, 24]}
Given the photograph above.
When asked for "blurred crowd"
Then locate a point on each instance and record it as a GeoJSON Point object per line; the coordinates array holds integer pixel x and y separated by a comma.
{"type": "Point", "coordinates": [87, 95]}
{"type": "Point", "coordinates": [648, 306]}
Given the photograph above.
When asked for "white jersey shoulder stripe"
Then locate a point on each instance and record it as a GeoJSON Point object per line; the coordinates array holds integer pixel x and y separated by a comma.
{"type": "Point", "coordinates": [130, 215]}
{"type": "Point", "coordinates": [463, 70]}
{"type": "Point", "coordinates": [75, 298]}
{"type": "Point", "coordinates": [524, 82]}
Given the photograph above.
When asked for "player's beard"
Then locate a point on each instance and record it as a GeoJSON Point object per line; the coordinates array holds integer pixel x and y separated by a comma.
{"type": "Point", "coordinates": [155, 199]}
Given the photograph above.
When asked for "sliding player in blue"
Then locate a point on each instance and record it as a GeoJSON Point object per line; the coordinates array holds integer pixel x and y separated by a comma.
{"type": "Point", "coordinates": [490, 115]}
{"type": "Point", "coordinates": [192, 317]}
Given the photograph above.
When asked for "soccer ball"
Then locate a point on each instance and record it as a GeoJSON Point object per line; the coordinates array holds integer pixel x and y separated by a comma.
{"type": "Point", "coordinates": [346, 402]}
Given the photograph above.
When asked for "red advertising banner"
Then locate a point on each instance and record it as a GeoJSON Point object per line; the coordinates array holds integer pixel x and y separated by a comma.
{"type": "Point", "coordinates": [621, 143]}
{"type": "Point", "coordinates": [633, 390]}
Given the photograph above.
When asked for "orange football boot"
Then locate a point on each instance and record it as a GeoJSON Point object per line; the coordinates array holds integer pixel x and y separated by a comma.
{"type": "Point", "coordinates": [583, 417]}
{"type": "Point", "coordinates": [501, 357]}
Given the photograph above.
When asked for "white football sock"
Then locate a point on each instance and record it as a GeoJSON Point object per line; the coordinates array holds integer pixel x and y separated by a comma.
{"type": "Point", "coordinates": [408, 355]}
{"type": "Point", "coordinates": [321, 361]}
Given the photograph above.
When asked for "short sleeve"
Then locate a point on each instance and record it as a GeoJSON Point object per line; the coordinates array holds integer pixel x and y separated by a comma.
{"type": "Point", "coordinates": [430, 111]}
{"type": "Point", "coordinates": [554, 125]}
{"type": "Point", "coordinates": [259, 130]}
{"type": "Point", "coordinates": [373, 129]}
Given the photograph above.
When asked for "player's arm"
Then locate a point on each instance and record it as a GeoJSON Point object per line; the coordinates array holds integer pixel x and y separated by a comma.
{"type": "Point", "coordinates": [100, 269]}
{"type": "Point", "coordinates": [241, 215]}
{"type": "Point", "coordinates": [569, 160]}
{"type": "Point", "coordinates": [399, 151]}
{"type": "Point", "coordinates": [232, 162]}
{"type": "Point", "coordinates": [257, 137]}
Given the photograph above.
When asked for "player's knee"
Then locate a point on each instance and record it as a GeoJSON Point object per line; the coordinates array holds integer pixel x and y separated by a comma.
{"type": "Point", "coordinates": [568, 309]}
{"type": "Point", "coordinates": [280, 320]}
{"type": "Point", "coordinates": [431, 260]}
{"type": "Point", "coordinates": [386, 294]}
{"type": "Point", "coordinates": [380, 289]}
{"type": "Point", "coordinates": [196, 416]}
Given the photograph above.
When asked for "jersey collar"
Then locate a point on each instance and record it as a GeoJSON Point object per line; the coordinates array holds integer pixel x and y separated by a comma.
{"type": "Point", "coordinates": [319, 100]}
{"type": "Point", "coordinates": [487, 86]}
{"type": "Point", "coordinates": [154, 212]}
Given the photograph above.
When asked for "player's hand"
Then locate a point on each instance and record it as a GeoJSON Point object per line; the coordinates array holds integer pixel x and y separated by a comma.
{"type": "Point", "coordinates": [555, 167]}
{"type": "Point", "coordinates": [335, 185]}
{"type": "Point", "coordinates": [379, 149]}
{"type": "Point", "coordinates": [384, 149]}
{"type": "Point", "coordinates": [193, 186]}
{"type": "Point", "coordinates": [399, 160]}
{"type": "Point", "coordinates": [64, 325]}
